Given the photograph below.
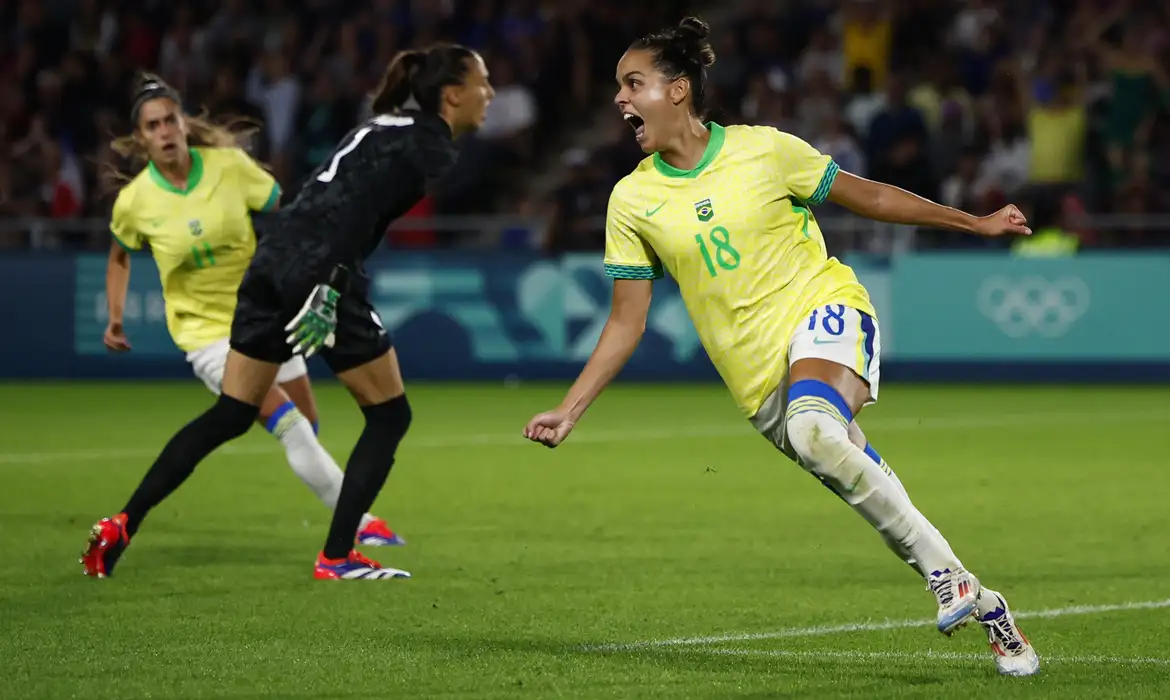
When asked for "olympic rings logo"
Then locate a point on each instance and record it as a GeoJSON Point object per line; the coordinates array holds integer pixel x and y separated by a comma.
{"type": "Point", "coordinates": [1033, 305]}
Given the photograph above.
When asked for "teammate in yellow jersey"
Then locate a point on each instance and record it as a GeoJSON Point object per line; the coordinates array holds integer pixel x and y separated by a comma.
{"type": "Point", "coordinates": [728, 212]}
{"type": "Point", "coordinates": [192, 205]}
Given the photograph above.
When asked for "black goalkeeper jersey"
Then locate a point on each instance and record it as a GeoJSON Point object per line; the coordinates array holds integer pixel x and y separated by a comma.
{"type": "Point", "coordinates": [377, 173]}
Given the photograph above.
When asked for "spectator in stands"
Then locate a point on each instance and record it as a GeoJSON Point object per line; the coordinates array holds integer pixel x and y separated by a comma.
{"type": "Point", "coordinates": [817, 106]}
{"type": "Point", "coordinates": [1138, 87]}
{"type": "Point", "coordinates": [512, 113]}
{"type": "Point", "coordinates": [863, 102]}
{"type": "Point", "coordinates": [897, 141]}
{"type": "Point", "coordinates": [1056, 123]}
{"type": "Point", "coordinates": [277, 90]}
{"type": "Point", "coordinates": [866, 39]}
{"type": "Point", "coordinates": [576, 203]}
{"type": "Point", "coordinates": [226, 97]}
{"type": "Point", "coordinates": [324, 117]}
{"type": "Point", "coordinates": [942, 90]}
{"type": "Point", "coordinates": [961, 190]}
{"type": "Point", "coordinates": [823, 55]}
{"type": "Point", "coordinates": [182, 56]}
{"type": "Point", "coordinates": [1004, 170]}
{"type": "Point", "coordinates": [948, 140]}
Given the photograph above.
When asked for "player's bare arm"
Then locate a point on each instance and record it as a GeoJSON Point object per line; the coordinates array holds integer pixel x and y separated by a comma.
{"type": "Point", "coordinates": [882, 202]}
{"type": "Point", "coordinates": [117, 282]}
{"type": "Point", "coordinates": [620, 337]}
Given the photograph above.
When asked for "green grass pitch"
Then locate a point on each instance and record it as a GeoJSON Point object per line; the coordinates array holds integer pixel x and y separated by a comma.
{"type": "Point", "coordinates": [561, 573]}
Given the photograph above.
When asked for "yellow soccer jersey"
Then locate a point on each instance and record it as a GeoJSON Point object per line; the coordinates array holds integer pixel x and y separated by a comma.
{"type": "Point", "coordinates": [201, 236]}
{"type": "Point", "coordinates": [738, 236]}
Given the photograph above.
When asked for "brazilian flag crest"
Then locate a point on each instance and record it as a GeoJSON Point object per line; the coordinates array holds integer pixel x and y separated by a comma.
{"type": "Point", "coordinates": [195, 227]}
{"type": "Point", "coordinates": [704, 210]}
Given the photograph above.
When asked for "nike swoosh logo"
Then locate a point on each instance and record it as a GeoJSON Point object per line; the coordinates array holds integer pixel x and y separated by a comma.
{"type": "Point", "coordinates": [822, 341]}
{"type": "Point", "coordinates": [652, 212]}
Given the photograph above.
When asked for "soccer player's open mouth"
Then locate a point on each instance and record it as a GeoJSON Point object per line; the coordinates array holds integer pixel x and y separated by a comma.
{"type": "Point", "coordinates": [637, 124]}
{"type": "Point", "coordinates": [169, 148]}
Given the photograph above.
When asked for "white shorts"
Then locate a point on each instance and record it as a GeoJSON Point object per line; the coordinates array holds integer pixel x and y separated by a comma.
{"type": "Point", "coordinates": [208, 363]}
{"type": "Point", "coordinates": [836, 333]}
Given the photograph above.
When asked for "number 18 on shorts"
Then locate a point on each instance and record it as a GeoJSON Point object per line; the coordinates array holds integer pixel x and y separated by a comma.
{"type": "Point", "coordinates": [843, 335]}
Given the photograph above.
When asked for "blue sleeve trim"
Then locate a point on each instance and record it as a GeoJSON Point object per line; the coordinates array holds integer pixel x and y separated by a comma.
{"type": "Point", "coordinates": [316, 427]}
{"type": "Point", "coordinates": [822, 192]}
{"type": "Point", "coordinates": [273, 198]}
{"type": "Point", "coordinates": [122, 243]}
{"type": "Point", "coordinates": [274, 420]}
{"type": "Point", "coordinates": [633, 272]}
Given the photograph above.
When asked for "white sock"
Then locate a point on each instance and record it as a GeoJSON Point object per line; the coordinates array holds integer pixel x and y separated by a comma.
{"type": "Point", "coordinates": [308, 459]}
{"type": "Point", "coordinates": [819, 437]}
{"type": "Point", "coordinates": [893, 477]}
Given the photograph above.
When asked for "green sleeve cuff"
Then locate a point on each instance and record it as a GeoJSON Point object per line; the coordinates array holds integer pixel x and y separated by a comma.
{"type": "Point", "coordinates": [822, 192]}
{"type": "Point", "coordinates": [273, 198]}
{"type": "Point", "coordinates": [633, 272]}
{"type": "Point", "coordinates": [123, 244]}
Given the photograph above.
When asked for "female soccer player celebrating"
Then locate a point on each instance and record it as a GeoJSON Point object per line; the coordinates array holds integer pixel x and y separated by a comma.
{"type": "Point", "coordinates": [304, 292]}
{"type": "Point", "coordinates": [191, 204]}
{"type": "Point", "coordinates": [791, 330]}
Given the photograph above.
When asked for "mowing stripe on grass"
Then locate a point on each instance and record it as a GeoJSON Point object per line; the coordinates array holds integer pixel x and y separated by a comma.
{"type": "Point", "coordinates": [819, 656]}
{"type": "Point", "coordinates": [869, 627]}
{"type": "Point", "coordinates": [586, 436]}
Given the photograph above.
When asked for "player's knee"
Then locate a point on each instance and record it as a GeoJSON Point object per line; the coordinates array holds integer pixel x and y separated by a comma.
{"type": "Point", "coordinates": [390, 418]}
{"type": "Point", "coordinates": [230, 418]}
{"type": "Point", "coordinates": [816, 427]}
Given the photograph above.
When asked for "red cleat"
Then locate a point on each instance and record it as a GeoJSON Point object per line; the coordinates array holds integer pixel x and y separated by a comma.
{"type": "Point", "coordinates": [107, 541]}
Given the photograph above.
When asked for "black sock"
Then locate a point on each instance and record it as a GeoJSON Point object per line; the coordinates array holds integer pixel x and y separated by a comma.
{"type": "Point", "coordinates": [226, 420]}
{"type": "Point", "coordinates": [366, 471]}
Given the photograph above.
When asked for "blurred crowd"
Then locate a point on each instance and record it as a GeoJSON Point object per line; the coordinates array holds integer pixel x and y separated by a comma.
{"type": "Point", "coordinates": [301, 68]}
{"type": "Point", "coordinates": [1059, 105]}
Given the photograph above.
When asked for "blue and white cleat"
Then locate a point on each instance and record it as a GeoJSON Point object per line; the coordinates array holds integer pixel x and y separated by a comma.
{"type": "Point", "coordinates": [1014, 655]}
{"type": "Point", "coordinates": [355, 566]}
{"type": "Point", "coordinates": [957, 592]}
{"type": "Point", "coordinates": [378, 534]}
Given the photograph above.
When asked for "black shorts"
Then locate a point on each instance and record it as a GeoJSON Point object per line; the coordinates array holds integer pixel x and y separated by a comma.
{"type": "Point", "coordinates": [274, 289]}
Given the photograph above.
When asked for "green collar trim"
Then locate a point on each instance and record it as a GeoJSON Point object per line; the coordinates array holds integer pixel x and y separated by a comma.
{"type": "Point", "coordinates": [193, 177]}
{"type": "Point", "coordinates": [714, 145]}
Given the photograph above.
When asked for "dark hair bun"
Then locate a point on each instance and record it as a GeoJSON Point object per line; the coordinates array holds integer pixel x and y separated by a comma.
{"type": "Point", "coordinates": [695, 26]}
{"type": "Point", "coordinates": [693, 32]}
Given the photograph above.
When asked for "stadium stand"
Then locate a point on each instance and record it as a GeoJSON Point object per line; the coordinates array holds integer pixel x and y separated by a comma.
{"type": "Point", "coordinates": [972, 103]}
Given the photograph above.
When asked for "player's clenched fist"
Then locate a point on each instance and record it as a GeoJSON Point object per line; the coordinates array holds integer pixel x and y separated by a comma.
{"type": "Point", "coordinates": [115, 338]}
{"type": "Point", "coordinates": [1009, 220]}
{"type": "Point", "coordinates": [549, 429]}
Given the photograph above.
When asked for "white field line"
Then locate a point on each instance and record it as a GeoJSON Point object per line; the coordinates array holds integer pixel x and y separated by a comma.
{"type": "Point", "coordinates": [820, 656]}
{"type": "Point", "coordinates": [586, 436]}
{"type": "Point", "coordinates": [820, 630]}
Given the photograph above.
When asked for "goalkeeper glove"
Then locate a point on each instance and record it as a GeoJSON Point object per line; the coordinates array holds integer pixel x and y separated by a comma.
{"type": "Point", "coordinates": [313, 327]}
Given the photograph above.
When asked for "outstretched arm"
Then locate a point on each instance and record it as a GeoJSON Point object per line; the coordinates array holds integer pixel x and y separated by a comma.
{"type": "Point", "coordinates": [882, 202]}
{"type": "Point", "coordinates": [620, 337]}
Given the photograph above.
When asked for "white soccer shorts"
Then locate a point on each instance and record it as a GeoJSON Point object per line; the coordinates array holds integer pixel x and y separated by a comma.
{"type": "Point", "coordinates": [208, 363]}
{"type": "Point", "coordinates": [836, 333]}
